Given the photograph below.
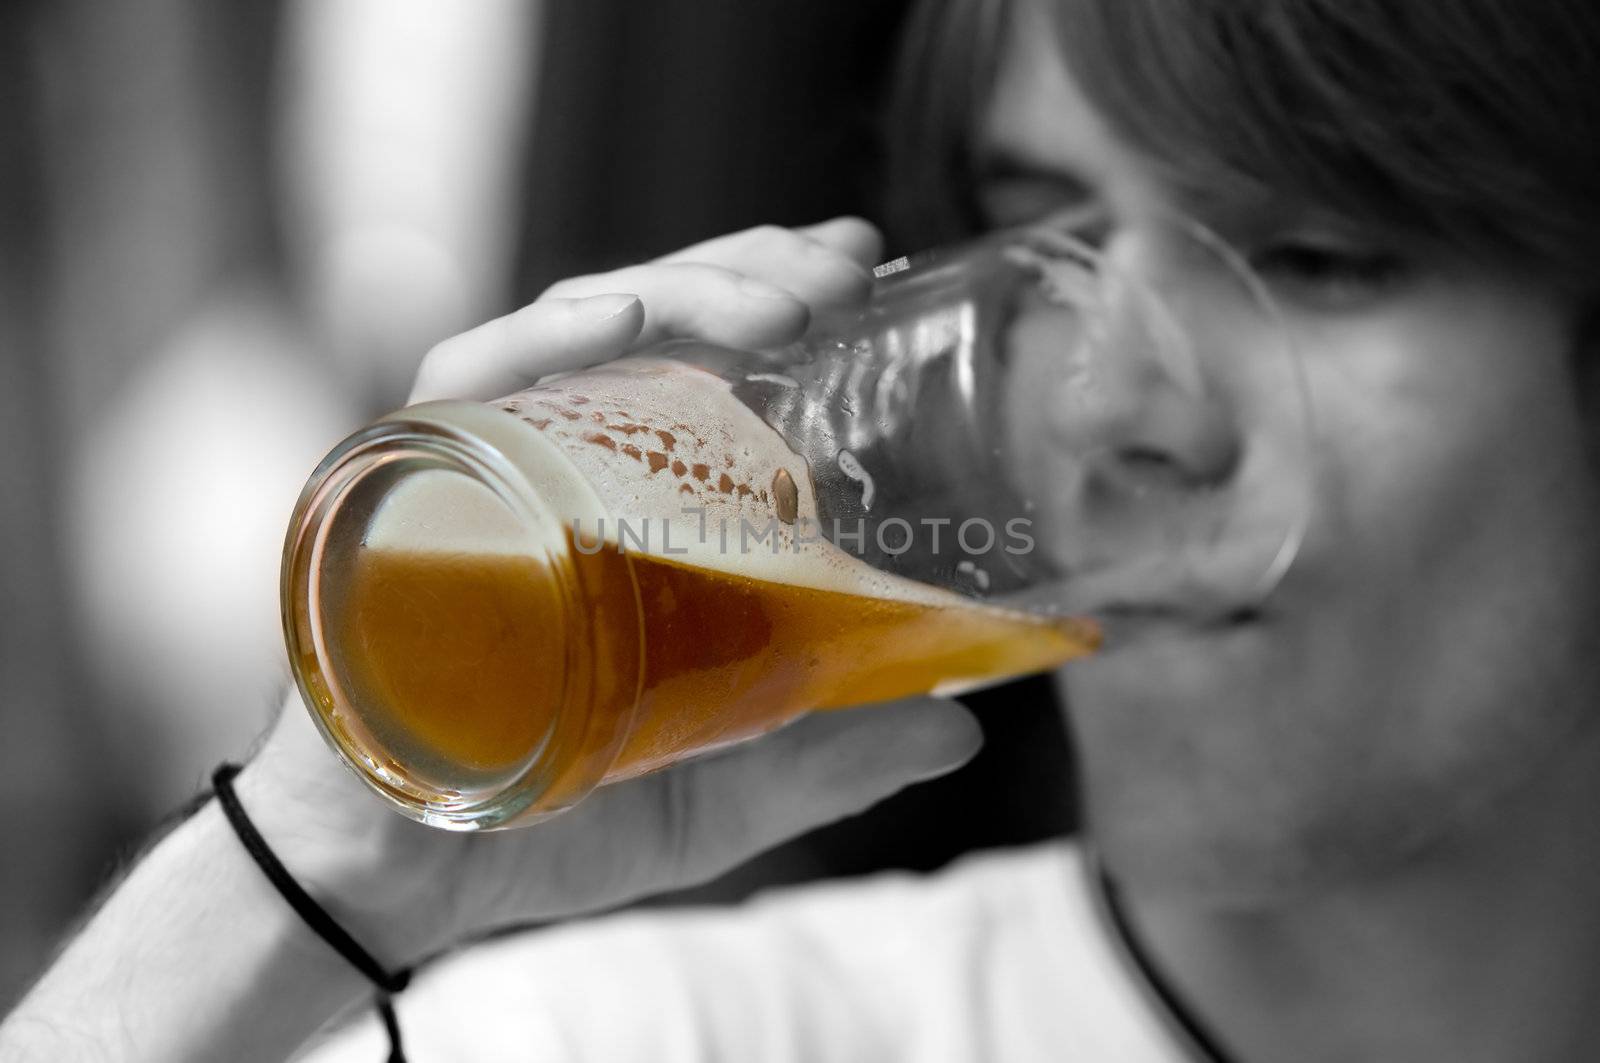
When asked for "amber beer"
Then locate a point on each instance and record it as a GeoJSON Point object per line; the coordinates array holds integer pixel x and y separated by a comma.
{"type": "Point", "coordinates": [480, 673]}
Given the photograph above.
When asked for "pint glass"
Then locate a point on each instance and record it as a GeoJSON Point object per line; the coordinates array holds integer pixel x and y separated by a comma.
{"type": "Point", "coordinates": [493, 608]}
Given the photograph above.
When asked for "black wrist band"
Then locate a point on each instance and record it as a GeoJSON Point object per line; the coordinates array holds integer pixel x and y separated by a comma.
{"type": "Point", "coordinates": [314, 915]}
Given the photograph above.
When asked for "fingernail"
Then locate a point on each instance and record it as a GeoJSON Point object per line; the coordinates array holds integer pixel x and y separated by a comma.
{"type": "Point", "coordinates": [947, 747]}
{"type": "Point", "coordinates": [946, 765]}
{"type": "Point", "coordinates": [599, 308]}
{"type": "Point", "coordinates": [759, 289]}
{"type": "Point", "coordinates": [844, 260]}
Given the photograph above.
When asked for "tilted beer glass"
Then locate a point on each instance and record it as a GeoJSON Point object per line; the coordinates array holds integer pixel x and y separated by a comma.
{"type": "Point", "coordinates": [492, 608]}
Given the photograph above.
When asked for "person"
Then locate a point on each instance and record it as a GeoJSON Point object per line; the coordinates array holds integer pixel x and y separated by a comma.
{"type": "Point", "coordinates": [1351, 824]}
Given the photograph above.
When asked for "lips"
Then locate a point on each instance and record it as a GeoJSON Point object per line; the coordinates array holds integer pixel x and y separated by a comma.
{"type": "Point", "coordinates": [1207, 615]}
{"type": "Point", "coordinates": [1139, 629]}
{"type": "Point", "coordinates": [1170, 588]}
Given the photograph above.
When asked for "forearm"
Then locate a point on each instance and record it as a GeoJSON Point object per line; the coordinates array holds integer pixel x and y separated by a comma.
{"type": "Point", "coordinates": [194, 957]}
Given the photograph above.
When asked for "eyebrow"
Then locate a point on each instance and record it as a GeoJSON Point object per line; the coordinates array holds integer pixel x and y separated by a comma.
{"type": "Point", "coordinates": [999, 161]}
{"type": "Point", "coordinates": [1243, 206]}
{"type": "Point", "coordinates": [1240, 209]}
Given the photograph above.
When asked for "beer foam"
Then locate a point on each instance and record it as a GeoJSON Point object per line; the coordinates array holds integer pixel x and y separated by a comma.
{"type": "Point", "coordinates": [654, 437]}
{"type": "Point", "coordinates": [437, 511]}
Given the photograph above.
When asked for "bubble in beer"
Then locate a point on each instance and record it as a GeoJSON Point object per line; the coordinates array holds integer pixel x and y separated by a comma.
{"type": "Point", "coordinates": [786, 496]}
{"type": "Point", "coordinates": [851, 466]}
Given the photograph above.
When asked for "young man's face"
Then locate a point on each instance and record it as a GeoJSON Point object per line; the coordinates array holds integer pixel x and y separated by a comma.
{"type": "Point", "coordinates": [1427, 658]}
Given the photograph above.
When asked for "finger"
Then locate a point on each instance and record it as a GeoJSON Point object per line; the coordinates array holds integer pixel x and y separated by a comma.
{"type": "Point", "coordinates": [700, 301]}
{"type": "Point", "coordinates": [818, 274]}
{"type": "Point", "coordinates": [692, 822]}
{"type": "Point", "coordinates": [855, 238]}
{"type": "Point", "coordinates": [544, 337]}
{"type": "Point", "coordinates": [717, 813]}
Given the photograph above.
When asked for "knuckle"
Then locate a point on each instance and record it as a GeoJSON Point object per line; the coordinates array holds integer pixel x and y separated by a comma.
{"type": "Point", "coordinates": [770, 242]}
{"type": "Point", "coordinates": [857, 223]}
{"type": "Point", "coordinates": [571, 287]}
{"type": "Point", "coordinates": [846, 270]}
{"type": "Point", "coordinates": [428, 367]}
{"type": "Point", "coordinates": [558, 290]}
{"type": "Point", "coordinates": [511, 335]}
{"type": "Point", "coordinates": [715, 272]}
{"type": "Point", "coordinates": [849, 234]}
{"type": "Point", "coordinates": [858, 226]}
{"type": "Point", "coordinates": [769, 234]}
{"type": "Point", "coordinates": [677, 826]}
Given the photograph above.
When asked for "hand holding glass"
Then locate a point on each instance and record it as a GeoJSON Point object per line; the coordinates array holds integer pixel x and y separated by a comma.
{"type": "Point", "coordinates": [493, 608]}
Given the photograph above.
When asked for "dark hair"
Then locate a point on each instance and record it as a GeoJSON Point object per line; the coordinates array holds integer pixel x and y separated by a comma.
{"type": "Point", "coordinates": [948, 53]}
{"type": "Point", "coordinates": [1471, 121]}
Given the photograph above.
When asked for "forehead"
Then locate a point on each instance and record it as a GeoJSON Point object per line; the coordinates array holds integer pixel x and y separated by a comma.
{"type": "Point", "coordinates": [1036, 115]}
{"type": "Point", "coordinates": [1038, 121]}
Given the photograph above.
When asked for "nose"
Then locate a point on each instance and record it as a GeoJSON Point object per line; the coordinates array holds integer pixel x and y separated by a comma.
{"type": "Point", "coordinates": [1162, 404]}
{"type": "Point", "coordinates": [1138, 398]}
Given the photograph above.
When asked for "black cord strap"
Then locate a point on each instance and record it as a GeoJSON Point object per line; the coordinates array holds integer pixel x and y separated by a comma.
{"type": "Point", "coordinates": [314, 915]}
{"type": "Point", "coordinates": [1200, 1040]}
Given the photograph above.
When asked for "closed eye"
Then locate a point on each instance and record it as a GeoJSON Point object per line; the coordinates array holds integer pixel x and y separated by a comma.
{"type": "Point", "coordinates": [1326, 275]}
{"type": "Point", "coordinates": [1010, 196]}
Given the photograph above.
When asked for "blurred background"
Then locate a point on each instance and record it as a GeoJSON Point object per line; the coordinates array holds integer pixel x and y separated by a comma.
{"type": "Point", "coordinates": [227, 235]}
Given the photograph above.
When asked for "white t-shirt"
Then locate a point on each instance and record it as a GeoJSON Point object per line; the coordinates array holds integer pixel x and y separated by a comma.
{"type": "Point", "coordinates": [1004, 956]}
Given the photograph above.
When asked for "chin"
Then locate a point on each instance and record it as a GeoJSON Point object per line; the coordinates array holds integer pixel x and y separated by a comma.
{"type": "Point", "coordinates": [1225, 834]}
{"type": "Point", "coordinates": [1203, 777]}
{"type": "Point", "coordinates": [1222, 868]}
{"type": "Point", "coordinates": [1197, 782]}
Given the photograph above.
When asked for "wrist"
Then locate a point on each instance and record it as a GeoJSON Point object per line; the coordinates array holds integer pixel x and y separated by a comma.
{"type": "Point", "coordinates": [193, 953]}
{"type": "Point", "coordinates": [380, 875]}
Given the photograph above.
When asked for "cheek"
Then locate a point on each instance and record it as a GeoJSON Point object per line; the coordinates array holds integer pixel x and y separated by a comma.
{"type": "Point", "coordinates": [1451, 570]}
{"type": "Point", "coordinates": [1428, 652]}
{"type": "Point", "coordinates": [1451, 448]}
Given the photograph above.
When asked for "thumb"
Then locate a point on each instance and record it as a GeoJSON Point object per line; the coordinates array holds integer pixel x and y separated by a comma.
{"type": "Point", "coordinates": [699, 819]}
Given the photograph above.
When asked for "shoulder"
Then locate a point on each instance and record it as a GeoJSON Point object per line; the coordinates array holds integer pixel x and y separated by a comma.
{"type": "Point", "coordinates": [1000, 955]}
